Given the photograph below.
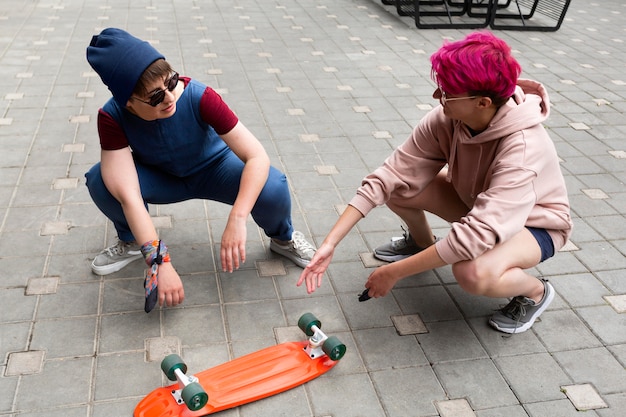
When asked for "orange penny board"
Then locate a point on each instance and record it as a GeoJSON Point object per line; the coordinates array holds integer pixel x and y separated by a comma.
{"type": "Point", "coordinates": [249, 378]}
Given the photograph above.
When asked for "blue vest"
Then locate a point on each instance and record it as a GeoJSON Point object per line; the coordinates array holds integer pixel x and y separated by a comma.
{"type": "Point", "coordinates": [179, 145]}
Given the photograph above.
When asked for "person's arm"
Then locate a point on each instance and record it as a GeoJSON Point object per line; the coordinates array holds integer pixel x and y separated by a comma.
{"type": "Point", "coordinates": [255, 173]}
{"type": "Point", "coordinates": [120, 177]}
{"type": "Point", "coordinates": [384, 278]}
{"type": "Point", "coordinates": [314, 271]}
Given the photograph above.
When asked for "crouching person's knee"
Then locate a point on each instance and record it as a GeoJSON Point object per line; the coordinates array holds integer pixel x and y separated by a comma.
{"type": "Point", "coordinates": [472, 277]}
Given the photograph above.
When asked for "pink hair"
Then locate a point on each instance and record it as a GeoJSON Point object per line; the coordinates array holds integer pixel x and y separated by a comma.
{"type": "Point", "coordinates": [479, 64]}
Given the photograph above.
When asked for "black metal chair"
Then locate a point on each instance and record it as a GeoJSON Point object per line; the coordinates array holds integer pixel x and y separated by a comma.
{"type": "Point", "coordinates": [448, 14]}
{"type": "Point", "coordinates": [529, 15]}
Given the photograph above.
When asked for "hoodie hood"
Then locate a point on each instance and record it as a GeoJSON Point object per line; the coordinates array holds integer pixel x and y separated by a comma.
{"type": "Point", "coordinates": [528, 107]}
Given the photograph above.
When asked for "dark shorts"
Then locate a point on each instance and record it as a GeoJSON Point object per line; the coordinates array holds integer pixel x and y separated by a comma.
{"type": "Point", "coordinates": [544, 240]}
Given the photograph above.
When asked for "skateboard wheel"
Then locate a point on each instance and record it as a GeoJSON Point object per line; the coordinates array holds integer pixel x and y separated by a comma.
{"type": "Point", "coordinates": [333, 348]}
{"type": "Point", "coordinates": [308, 320]}
{"type": "Point", "coordinates": [170, 364]}
{"type": "Point", "coordinates": [194, 396]}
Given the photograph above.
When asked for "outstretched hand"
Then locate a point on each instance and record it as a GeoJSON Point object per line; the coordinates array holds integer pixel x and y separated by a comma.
{"type": "Point", "coordinates": [314, 271]}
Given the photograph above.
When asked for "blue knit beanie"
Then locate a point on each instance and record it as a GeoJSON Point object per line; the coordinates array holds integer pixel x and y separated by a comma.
{"type": "Point", "coordinates": [120, 59]}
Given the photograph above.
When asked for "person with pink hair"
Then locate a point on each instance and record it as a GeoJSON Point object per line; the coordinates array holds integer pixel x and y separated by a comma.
{"type": "Point", "coordinates": [482, 161]}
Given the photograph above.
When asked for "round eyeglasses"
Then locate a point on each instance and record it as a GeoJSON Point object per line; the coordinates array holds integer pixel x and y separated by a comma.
{"type": "Point", "coordinates": [444, 97]}
{"type": "Point", "coordinates": [158, 96]}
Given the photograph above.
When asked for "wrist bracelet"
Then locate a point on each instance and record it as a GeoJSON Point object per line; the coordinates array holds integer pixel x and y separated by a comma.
{"type": "Point", "coordinates": [155, 252]}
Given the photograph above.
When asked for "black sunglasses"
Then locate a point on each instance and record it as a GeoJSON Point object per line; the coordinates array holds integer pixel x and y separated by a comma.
{"type": "Point", "coordinates": [158, 96]}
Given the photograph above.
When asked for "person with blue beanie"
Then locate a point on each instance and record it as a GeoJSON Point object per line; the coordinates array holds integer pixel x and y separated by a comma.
{"type": "Point", "coordinates": [167, 138]}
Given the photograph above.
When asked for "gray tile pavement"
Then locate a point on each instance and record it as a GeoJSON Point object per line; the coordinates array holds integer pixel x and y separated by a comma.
{"type": "Point", "coordinates": [330, 87]}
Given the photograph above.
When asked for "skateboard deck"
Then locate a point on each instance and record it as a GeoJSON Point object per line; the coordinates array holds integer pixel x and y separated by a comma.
{"type": "Point", "coordinates": [249, 378]}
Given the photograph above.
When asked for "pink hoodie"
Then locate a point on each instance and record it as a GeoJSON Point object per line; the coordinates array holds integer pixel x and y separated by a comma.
{"type": "Point", "coordinates": [509, 174]}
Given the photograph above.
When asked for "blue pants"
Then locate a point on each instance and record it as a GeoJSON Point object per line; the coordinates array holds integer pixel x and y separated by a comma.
{"type": "Point", "coordinates": [218, 182]}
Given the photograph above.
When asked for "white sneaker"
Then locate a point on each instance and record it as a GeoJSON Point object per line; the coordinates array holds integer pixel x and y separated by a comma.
{"type": "Point", "coordinates": [298, 250]}
{"type": "Point", "coordinates": [115, 257]}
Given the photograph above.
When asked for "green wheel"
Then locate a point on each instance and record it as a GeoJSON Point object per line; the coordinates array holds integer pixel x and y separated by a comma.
{"type": "Point", "coordinates": [307, 320]}
{"type": "Point", "coordinates": [170, 364]}
{"type": "Point", "coordinates": [333, 348]}
{"type": "Point", "coordinates": [194, 396]}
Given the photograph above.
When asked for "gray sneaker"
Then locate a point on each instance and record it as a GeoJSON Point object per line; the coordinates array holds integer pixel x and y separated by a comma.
{"type": "Point", "coordinates": [520, 314]}
{"type": "Point", "coordinates": [298, 250]}
{"type": "Point", "coordinates": [115, 257]}
{"type": "Point", "coordinates": [398, 248]}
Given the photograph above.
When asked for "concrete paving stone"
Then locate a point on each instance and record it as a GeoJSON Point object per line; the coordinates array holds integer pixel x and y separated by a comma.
{"type": "Point", "coordinates": [291, 403]}
{"type": "Point", "coordinates": [618, 302]}
{"type": "Point", "coordinates": [436, 344]}
{"type": "Point", "coordinates": [122, 295]}
{"type": "Point", "coordinates": [584, 232]}
{"type": "Point", "coordinates": [562, 330]}
{"type": "Point", "coordinates": [580, 290]}
{"type": "Point", "coordinates": [408, 324]}
{"type": "Point", "coordinates": [115, 337]}
{"type": "Point", "coordinates": [610, 227]}
{"type": "Point", "coordinates": [597, 366]}
{"type": "Point", "coordinates": [158, 348]}
{"type": "Point", "coordinates": [500, 344]}
{"type": "Point", "coordinates": [56, 394]}
{"type": "Point", "coordinates": [8, 385]}
{"type": "Point", "coordinates": [605, 323]}
{"type": "Point", "coordinates": [112, 408]}
{"type": "Point", "coordinates": [247, 285]}
{"type": "Point", "coordinates": [377, 356]}
{"type": "Point", "coordinates": [13, 338]}
{"type": "Point", "coordinates": [24, 363]}
{"type": "Point", "coordinates": [252, 320]}
{"type": "Point", "coordinates": [370, 314]}
{"type": "Point", "coordinates": [195, 325]}
{"type": "Point", "coordinates": [455, 407]}
{"type": "Point", "coordinates": [619, 351]}
{"type": "Point", "coordinates": [16, 305]}
{"type": "Point", "coordinates": [432, 303]}
{"type": "Point", "coordinates": [513, 411]}
{"type": "Point", "coordinates": [356, 390]}
{"type": "Point", "coordinates": [408, 391]}
{"type": "Point", "coordinates": [478, 381]}
{"type": "Point", "coordinates": [586, 206]}
{"type": "Point", "coordinates": [75, 411]}
{"type": "Point", "coordinates": [53, 336]}
{"type": "Point", "coordinates": [535, 376]}
{"type": "Point", "coordinates": [555, 408]}
{"type": "Point", "coordinates": [70, 300]}
{"type": "Point", "coordinates": [124, 375]}
{"type": "Point", "coordinates": [600, 256]}
{"type": "Point", "coordinates": [616, 404]}
{"type": "Point", "coordinates": [270, 268]}
{"type": "Point", "coordinates": [584, 397]}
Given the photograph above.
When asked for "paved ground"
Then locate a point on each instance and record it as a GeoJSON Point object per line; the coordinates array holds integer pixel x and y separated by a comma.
{"type": "Point", "coordinates": [331, 87]}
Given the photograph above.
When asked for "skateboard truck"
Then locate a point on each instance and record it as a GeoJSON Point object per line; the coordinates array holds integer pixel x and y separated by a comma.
{"type": "Point", "coordinates": [190, 392]}
{"type": "Point", "coordinates": [184, 380]}
{"type": "Point", "coordinates": [320, 344]}
{"type": "Point", "coordinates": [314, 347]}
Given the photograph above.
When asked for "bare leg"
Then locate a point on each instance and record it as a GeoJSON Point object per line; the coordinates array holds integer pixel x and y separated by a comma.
{"type": "Point", "coordinates": [499, 272]}
{"type": "Point", "coordinates": [439, 198]}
